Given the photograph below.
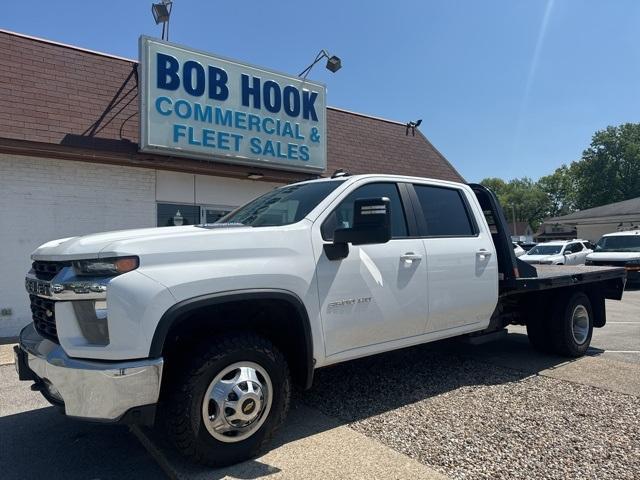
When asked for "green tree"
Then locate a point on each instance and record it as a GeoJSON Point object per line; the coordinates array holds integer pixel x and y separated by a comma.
{"type": "Point", "coordinates": [496, 185]}
{"type": "Point", "coordinates": [609, 170]}
{"type": "Point", "coordinates": [560, 190]}
{"type": "Point", "coordinates": [521, 198]}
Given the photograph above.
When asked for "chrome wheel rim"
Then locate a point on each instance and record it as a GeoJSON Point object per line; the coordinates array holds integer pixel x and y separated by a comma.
{"type": "Point", "coordinates": [237, 402]}
{"type": "Point", "coordinates": [580, 324]}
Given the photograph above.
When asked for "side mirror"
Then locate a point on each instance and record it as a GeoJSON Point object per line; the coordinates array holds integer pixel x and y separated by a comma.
{"type": "Point", "coordinates": [371, 224]}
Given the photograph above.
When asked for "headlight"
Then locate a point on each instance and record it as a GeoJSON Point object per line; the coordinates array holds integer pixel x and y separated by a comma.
{"type": "Point", "coordinates": [633, 263]}
{"type": "Point", "coordinates": [106, 266]}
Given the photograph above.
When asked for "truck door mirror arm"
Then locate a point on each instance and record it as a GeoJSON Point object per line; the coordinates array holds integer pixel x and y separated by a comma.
{"type": "Point", "coordinates": [371, 224]}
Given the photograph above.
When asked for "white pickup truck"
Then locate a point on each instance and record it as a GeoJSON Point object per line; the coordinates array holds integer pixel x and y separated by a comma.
{"type": "Point", "coordinates": [204, 329]}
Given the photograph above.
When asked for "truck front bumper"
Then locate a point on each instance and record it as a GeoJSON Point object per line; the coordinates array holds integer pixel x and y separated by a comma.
{"type": "Point", "coordinates": [88, 389]}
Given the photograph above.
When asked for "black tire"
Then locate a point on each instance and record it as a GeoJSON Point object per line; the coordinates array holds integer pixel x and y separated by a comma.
{"type": "Point", "coordinates": [181, 408]}
{"type": "Point", "coordinates": [562, 336]}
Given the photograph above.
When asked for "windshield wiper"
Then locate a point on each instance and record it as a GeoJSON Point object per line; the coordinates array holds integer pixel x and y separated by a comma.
{"type": "Point", "coordinates": [222, 225]}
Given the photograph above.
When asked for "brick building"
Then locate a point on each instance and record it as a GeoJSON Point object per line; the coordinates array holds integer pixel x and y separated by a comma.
{"type": "Point", "coordinates": [70, 163]}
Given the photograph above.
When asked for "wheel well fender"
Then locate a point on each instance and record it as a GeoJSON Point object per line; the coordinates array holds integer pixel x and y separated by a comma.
{"type": "Point", "coordinates": [206, 313]}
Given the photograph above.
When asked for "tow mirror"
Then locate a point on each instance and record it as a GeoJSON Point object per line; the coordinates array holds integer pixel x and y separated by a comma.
{"type": "Point", "coordinates": [371, 224]}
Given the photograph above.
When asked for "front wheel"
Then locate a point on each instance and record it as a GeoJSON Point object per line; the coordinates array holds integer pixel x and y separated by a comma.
{"type": "Point", "coordinates": [223, 404]}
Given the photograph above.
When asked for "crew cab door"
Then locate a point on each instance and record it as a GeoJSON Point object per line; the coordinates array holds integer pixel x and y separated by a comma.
{"type": "Point", "coordinates": [462, 287]}
{"type": "Point", "coordinates": [376, 294]}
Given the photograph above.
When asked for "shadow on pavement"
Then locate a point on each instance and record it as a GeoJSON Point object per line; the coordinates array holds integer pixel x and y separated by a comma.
{"type": "Point", "coordinates": [42, 443]}
{"type": "Point", "coordinates": [366, 387]}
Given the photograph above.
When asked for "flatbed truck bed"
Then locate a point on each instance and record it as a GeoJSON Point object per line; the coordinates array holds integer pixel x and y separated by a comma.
{"type": "Point", "coordinates": [559, 304]}
{"type": "Point", "coordinates": [554, 276]}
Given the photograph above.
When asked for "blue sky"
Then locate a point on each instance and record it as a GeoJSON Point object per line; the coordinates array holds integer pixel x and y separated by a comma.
{"type": "Point", "coordinates": [505, 88]}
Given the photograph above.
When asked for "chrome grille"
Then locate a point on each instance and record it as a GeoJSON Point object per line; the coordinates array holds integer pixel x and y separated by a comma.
{"type": "Point", "coordinates": [44, 317]}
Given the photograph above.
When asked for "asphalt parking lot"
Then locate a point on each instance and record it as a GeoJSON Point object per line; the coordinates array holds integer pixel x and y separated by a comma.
{"type": "Point", "coordinates": [445, 410]}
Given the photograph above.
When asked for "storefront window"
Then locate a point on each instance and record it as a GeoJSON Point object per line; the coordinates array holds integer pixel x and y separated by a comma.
{"type": "Point", "coordinates": [213, 214]}
{"type": "Point", "coordinates": [174, 215]}
{"type": "Point", "coordinates": [177, 214]}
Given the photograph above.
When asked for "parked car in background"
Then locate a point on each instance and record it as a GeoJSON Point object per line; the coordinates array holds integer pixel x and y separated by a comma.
{"type": "Point", "coordinates": [564, 252]}
{"type": "Point", "coordinates": [620, 249]}
{"type": "Point", "coordinates": [518, 250]}
{"type": "Point", "coordinates": [527, 246]}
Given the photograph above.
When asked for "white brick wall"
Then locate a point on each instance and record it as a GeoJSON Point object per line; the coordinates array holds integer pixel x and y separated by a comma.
{"type": "Point", "coordinates": [44, 199]}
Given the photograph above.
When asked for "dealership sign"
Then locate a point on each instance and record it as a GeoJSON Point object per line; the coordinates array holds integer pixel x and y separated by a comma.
{"type": "Point", "coordinates": [193, 104]}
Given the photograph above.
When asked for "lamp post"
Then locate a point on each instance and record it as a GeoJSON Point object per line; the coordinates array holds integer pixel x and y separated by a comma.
{"type": "Point", "coordinates": [333, 63]}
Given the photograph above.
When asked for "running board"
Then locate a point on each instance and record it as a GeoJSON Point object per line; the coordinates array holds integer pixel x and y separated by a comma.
{"type": "Point", "coordinates": [480, 338]}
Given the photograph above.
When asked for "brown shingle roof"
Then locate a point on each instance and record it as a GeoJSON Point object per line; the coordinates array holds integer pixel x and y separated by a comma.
{"type": "Point", "coordinates": [75, 103]}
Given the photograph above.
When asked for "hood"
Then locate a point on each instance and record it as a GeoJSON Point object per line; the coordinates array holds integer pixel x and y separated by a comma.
{"type": "Point", "coordinates": [103, 245]}
{"type": "Point", "coordinates": [613, 256]}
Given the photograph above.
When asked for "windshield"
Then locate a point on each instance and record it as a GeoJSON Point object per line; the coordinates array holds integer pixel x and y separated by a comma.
{"type": "Point", "coordinates": [622, 243]}
{"type": "Point", "coordinates": [282, 206]}
{"type": "Point", "coordinates": [545, 250]}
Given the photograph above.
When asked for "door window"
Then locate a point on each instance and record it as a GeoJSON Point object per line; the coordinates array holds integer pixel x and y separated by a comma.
{"type": "Point", "coordinates": [342, 216]}
{"type": "Point", "coordinates": [574, 248]}
{"type": "Point", "coordinates": [445, 212]}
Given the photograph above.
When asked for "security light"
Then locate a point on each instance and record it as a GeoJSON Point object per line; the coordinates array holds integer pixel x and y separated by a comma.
{"type": "Point", "coordinates": [412, 126]}
{"type": "Point", "coordinates": [333, 63]}
{"type": "Point", "coordinates": [160, 12]}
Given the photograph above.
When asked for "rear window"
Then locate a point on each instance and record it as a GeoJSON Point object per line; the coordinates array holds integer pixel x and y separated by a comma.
{"type": "Point", "coordinates": [445, 212]}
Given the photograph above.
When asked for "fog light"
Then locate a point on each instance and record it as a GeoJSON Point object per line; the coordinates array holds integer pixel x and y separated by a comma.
{"type": "Point", "coordinates": [92, 320]}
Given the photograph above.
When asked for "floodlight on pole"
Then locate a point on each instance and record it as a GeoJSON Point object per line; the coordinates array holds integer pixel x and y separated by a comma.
{"type": "Point", "coordinates": [333, 63]}
{"type": "Point", "coordinates": [412, 126]}
{"type": "Point", "coordinates": [161, 14]}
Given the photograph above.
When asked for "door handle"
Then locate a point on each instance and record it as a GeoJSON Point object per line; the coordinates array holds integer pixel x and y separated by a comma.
{"type": "Point", "coordinates": [410, 257]}
{"type": "Point", "coordinates": [483, 254]}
